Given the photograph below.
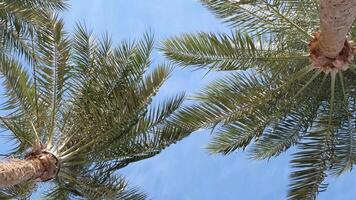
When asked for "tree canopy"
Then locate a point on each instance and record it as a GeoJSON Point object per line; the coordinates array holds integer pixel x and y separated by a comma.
{"type": "Point", "coordinates": [274, 98]}
{"type": "Point", "coordinates": [90, 104]}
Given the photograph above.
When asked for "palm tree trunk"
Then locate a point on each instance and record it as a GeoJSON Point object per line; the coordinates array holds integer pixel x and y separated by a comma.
{"type": "Point", "coordinates": [14, 171]}
{"type": "Point", "coordinates": [40, 167]}
{"type": "Point", "coordinates": [336, 19]}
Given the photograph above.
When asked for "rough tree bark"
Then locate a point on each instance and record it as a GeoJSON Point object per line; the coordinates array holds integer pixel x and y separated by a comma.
{"type": "Point", "coordinates": [336, 18]}
{"type": "Point", "coordinates": [330, 50]}
{"type": "Point", "coordinates": [36, 167]}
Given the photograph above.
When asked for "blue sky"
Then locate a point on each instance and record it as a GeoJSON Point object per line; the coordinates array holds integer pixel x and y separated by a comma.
{"type": "Point", "coordinates": [185, 171]}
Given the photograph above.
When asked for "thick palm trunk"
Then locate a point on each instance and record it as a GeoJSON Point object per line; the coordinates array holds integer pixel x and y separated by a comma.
{"type": "Point", "coordinates": [336, 18]}
{"type": "Point", "coordinates": [35, 168]}
{"type": "Point", "coordinates": [13, 172]}
{"type": "Point", "coordinates": [329, 50]}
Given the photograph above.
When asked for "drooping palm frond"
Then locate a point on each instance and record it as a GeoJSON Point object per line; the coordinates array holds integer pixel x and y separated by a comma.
{"type": "Point", "coordinates": [311, 164]}
{"type": "Point", "coordinates": [22, 191]}
{"type": "Point", "coordinates": [320, 154]}
{"type": "Point", "coordinates": [18, 85]}
{"type": "Point", "coordinates": [21, 20]}
{"type": "Point", "coordinates": [284, 133]}
{"type": "Point", "coordinates": [276, 96]}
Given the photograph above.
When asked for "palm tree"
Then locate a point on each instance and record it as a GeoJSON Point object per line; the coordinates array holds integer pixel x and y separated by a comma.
{"type": "Point", "coordinates": [81, 110]}
{"type": "Point", "coordinates": [20, 20]}
{"type": "Point", "coordinates": [288, 85]}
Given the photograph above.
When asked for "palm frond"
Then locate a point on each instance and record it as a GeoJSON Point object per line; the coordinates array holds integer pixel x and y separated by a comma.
{"type": "Point", "coordinates": [99, 185]}
{"type": "Point", "coordinates": [37, 4]}
{"type": "Point", "coordinates": [283, 134]}
{"type": "Point", "coordinates": [237, 51]}
{"type": "Point", "coordinates": [345, 140]}
{"type": "Point", "coordinates": [18, 87]}
{"type": "Point", "coordinates": [52, 69]}
{"type": "Point", "coordinates": [353, 32]}
{"type": "Point", "coordinates": [267, 16]}
{"type": "Point", "coordinates": [22, 191]}
{"type": "Point", "coordinates": [312, 160]}
{"type": "Point", "coordinates": [21, 20]}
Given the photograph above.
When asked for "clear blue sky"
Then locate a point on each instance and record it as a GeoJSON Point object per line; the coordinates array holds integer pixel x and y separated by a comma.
{"type": "Point", "coordinates": [185, 171]}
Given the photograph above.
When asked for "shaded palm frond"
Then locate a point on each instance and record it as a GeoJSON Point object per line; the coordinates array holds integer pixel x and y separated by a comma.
{"type": "Point", "coordinates": [310, 167]}
{"type": "Point", "coordinates": [98, 185]}
{"type": "Point", "coordinates": [22, 191]}
{"type": "Point", "coordinates": [315, 156]}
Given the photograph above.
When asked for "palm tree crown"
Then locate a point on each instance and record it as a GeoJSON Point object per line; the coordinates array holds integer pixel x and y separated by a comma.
{"type": "Point", "coordinates": [89, 106]}
{"type": "Point", "coordinates": [275, 97]}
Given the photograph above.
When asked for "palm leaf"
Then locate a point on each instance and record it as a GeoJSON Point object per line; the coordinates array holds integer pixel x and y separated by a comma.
{"type": "Point", "coordinates": [267, 16]}
{"type": "Point", "coordinates": [237, 51]}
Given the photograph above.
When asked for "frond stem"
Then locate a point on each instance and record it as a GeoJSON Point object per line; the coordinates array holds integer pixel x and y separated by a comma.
{"type": "Point", "coordinates": [288, 20]}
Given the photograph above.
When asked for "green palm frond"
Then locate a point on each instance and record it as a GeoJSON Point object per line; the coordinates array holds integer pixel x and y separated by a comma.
{"type": "Point", "coordinates": [284, 134]}
{"type": "Point", "coordinates": [52, 69]}
{"type": "Point", "coordinates": [317, 156]}
{"type": "Point", "coordinates": [38, 4]}
{"type": "Point", "coordinates": [19, 105]}
{"type": "Point", "coordinates": [345, 147]}
{"type": "Point", "coordinates": [120, 88]}
{"type": "Point", "coordinates": [353, 32]}
{"type": "Point", "coordinates": [21, 192]}
{"type": "Point", "coordinates": [22, 132]}
{"type": "Point", "coordinates": [268, 16]}
{"type": "Point", "coordinates": [237, 51]}
{"type": "Point", "coordinates": [99, 185]}
{"type": "Point", "coordinates": [19, 88]}
{"type": "Point", "coordinates": [21, 20]}
{"type": "Point", "coordinates": [311, 165]}
{"type": "Point", "coordinates": [344, 144]}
